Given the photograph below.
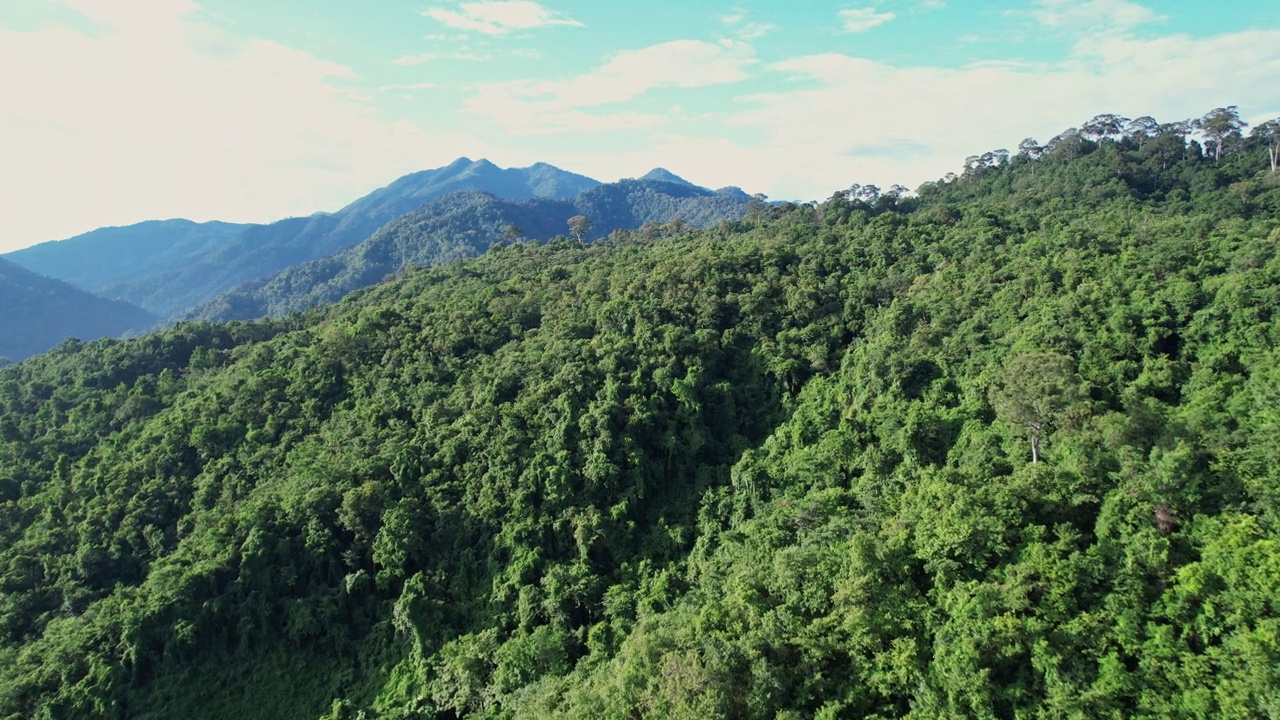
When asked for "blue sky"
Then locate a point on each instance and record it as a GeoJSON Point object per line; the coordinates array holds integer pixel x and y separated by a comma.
{"type": "Point", "coordinates": [117, 111]}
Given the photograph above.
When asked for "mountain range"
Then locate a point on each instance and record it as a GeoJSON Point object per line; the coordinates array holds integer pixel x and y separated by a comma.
{"type": "Point", "coordinates": [168, 267]}
{"type": "Point", "coordinates": [37, 313]}
{"type": "Point", "coordinates": [177, 269]}
{"type": "Point", "coordinates": [465, 224]}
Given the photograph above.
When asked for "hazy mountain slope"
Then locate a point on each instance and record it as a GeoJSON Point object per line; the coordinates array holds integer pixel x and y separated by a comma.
{"type": "Point", "coordinates": [463, 225]}
{"type": "Point", "coordinates": [104, 259]}
{"type": "Point", "coordinates": [37, 313]}
{"type": "Point", "coordinates": [411, 191]}
{"type": "Point", "coordinates": [664, 175]}
{"type": "Point", "coordinates": [170, 267]}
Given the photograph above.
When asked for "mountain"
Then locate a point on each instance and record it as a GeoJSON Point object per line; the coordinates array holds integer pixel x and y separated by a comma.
{"type": "Point", "coordinates": [1002, 448]}
{"type": "Point", "coordinates": [411, 191]}
{"type": "Point", "coordinates": [104, 259]}
{"type": "Point", "coordinates": [171, 266]}
{"type": "Point", "coordinates": [37, 313]}
{"type": "Point", "coordinates": [465, 224]}
{"type": "Point", "coordinates": [664, 175]}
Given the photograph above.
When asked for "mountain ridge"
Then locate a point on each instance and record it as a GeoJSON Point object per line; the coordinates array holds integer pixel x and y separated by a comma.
{"type": "Point", "coordinates": [464, 224]}
{"type": "Point", "coordinates": [37, 313]}
{"type": "Point", "coordinates": [168, 283]}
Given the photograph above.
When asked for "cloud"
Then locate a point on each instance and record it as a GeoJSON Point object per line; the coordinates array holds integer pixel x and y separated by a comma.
{"type": "Point", "coordinates": [737, 15]}
{"type": "Point", "coordinates": [154, 114]}
{"type": "Point", "coordinates": [499, 17]}
{"type": "Point", "coordinates": [408, 86]}
{"type": "Point", "coordinates": [430, 57]}
{"type": "Point", "coordinates": [852, 109]}
{"type": "Point", "coordinates": [863, 19]}
{"type": "Point", "coordinates": [1093, 15]}
{"type": "Point", "coordinates": [753, 31]}
{"type": "Point", "coordinates": [743, 30]}
{"type": "Point", "coordinates": [549, 106]}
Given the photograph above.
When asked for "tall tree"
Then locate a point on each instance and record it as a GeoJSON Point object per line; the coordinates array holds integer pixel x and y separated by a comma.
{"type": "Point", "coordinates": [1140, 130]}
{"type": "Point", "coordinates": [1104, 127]}
{"type": "Point", "coordinates": [1220, 127]}
{"type": "Point", "coordinates": [1268, 135]}
{"type": "Point", "coordinates": [1034, 390]}
{"type": "Point", "coordinates": [579, 226]}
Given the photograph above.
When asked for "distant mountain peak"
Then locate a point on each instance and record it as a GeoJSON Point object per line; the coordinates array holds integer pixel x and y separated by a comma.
{"type": "Point", "coordinates": [665, 175]}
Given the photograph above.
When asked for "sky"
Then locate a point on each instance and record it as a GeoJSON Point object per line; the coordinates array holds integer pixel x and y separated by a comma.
{"type": "Point", "coordinates": [117, 111]}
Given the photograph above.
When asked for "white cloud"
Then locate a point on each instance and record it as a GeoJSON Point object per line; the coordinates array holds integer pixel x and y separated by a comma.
{"type": "Point", "coordinates": [156, 115]}
{"type": "Point", "coordinates": [409, 86]}
{"type": "Point", "coordinates": [753, 31]}
{"type": "Point", "coordinates": [430, 57]}
{"type": "Point", "coordinates": [863, 19]}
{"type": "Point", "coordinates": [734, 17]}
{"type": "Point", "coordinates": [548, 106]}
{"type": "Point", "coordinates": [499, 17]}
{"type": "Point", "coordinates": [743, 30]}
{"type": "Point", "coordinates": [1093, 15]}
{"type": "Point", "coordinates": [867, 121]}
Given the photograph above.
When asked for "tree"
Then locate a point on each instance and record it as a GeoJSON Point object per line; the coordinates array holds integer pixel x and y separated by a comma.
{"type": "Point", "coordinates": [1140, 130]}
{"type": "Point", "coordinates": [1030, 149]}
{"type": "Point", "coordinates": [1268, 135]}
{"type": "Point", "coordinates": [1104, 127]}
{"type": "Point", "coordinates": [864, 193]}
{"type": "Point", "coordinates": [1068, 144]}
{"type": "Point", "coordinates": [995, 158]}
{"type": "Point", "coordinates": [675, 227]}
{"type": "Point", "coordinates": [1034, 390]}
{"type": "Point", "coordinates": [512, 233]}
{"type": "Point", "coordinates": [1220, 127]}
{"type": "Point", "coordinates": [579, 226]}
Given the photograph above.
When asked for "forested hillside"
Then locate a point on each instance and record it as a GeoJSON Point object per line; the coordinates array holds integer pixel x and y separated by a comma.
{"type": "Point", "coordinates": [464, 224]}
{"type": "Point", "coordinates": [778, 468]}
{"type": "Point", "coordinates": [37, 313]}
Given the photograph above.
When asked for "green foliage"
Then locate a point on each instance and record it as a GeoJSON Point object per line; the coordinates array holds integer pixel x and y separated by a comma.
{"type": "Point", "coordinates": [757, 470]}
{"type": "Point", "coordinates": [1034, 390]}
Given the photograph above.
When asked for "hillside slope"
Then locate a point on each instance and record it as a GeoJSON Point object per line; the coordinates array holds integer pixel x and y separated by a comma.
{"type": "Point", "coordinates": [777, 468]}
{"type": "Point", "coordinates": [37, 313]}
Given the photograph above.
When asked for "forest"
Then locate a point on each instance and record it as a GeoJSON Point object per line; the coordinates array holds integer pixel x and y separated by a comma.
{"type": "Point", "coordinates": [1007, 446]}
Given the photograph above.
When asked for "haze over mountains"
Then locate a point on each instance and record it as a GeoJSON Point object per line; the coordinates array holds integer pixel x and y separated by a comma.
{"type": "Point", "coordinates": [37, 313]}
{"type": "Point", "coordinates": [198, 265]}
{"type": "Point", "coordinates": [175, 268]}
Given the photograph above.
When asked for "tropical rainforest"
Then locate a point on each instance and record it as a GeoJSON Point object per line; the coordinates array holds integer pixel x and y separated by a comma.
{"type": "Point", "coordinates": [1005, 447]}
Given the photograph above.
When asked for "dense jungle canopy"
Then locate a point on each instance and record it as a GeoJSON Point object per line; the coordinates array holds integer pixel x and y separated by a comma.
{"type": "Point", "coordinates": [777, 468]}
